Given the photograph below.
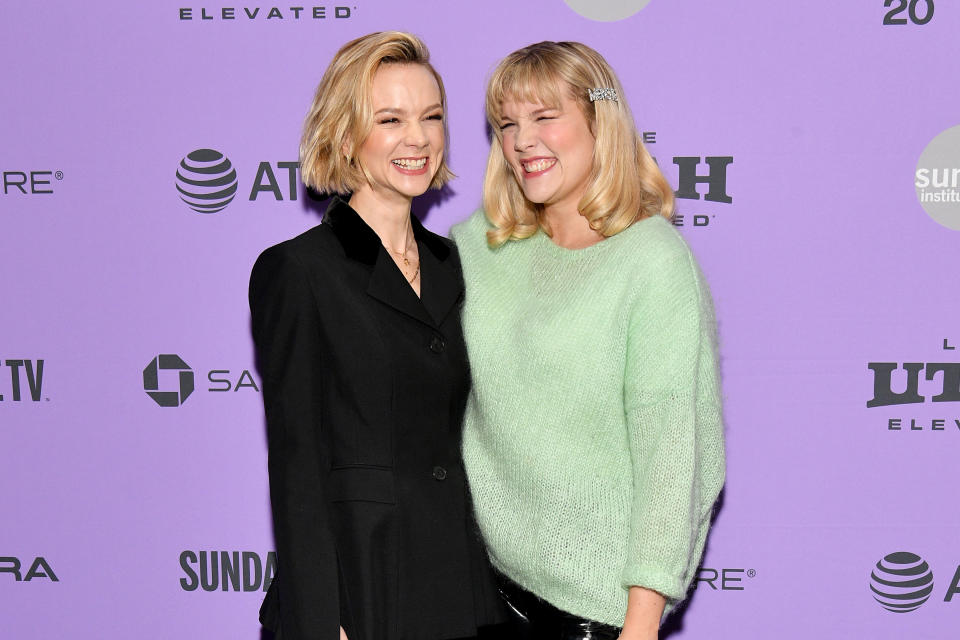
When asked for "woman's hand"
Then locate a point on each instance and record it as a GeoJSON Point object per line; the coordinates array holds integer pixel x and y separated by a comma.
{"type": "Point", "coordinates": [343, 634]}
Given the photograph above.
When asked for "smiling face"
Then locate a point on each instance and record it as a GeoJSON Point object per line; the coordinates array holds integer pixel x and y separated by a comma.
{"type": "Point", "coordinates": [549, 149]}
{"type": "Point", "coordinates": [403, 150]}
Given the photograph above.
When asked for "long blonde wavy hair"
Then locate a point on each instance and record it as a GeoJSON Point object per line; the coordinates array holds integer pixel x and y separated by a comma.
{"type": "Point", "coordinates": [625, 184]}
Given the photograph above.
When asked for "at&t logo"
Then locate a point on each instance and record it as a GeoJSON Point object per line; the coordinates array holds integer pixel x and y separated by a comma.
{"type": "Point", "coordinates": [207, 180]}
{"type": "Point", "coordinates": [174, 395]}
{"type": "Point", "coordinates": [902, 581]}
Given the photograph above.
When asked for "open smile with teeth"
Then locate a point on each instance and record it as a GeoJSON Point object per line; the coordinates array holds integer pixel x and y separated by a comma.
{"type": "Point", "coordinates": [540, 164]}
{"type": "Point", "coordinates": [410, 163]}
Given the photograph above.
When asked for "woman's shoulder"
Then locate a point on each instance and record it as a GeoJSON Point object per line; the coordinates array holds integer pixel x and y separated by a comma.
{"type": "Point", "coordinates": [297, 254]}
{"type": "Point", "coordinates": [470, 236]}
{"type": "Point", "coordinates": [472, 229]}
{"type": "Point", "coordinates": [655, 243]}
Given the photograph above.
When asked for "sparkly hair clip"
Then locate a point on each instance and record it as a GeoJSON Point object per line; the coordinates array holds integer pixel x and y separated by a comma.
{"type": "Point", "coordinates": [603, 93]}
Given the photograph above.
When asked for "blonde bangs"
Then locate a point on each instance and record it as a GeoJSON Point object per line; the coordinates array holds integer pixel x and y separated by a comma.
{"type": "Point", "coordinates": [626, 184]}
{"type": "Point", "coordinates": [529, 80]}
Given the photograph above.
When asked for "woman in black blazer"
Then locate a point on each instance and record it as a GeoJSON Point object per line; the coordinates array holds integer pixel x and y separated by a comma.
{"type": "Point", "coordinates": [365, 374]}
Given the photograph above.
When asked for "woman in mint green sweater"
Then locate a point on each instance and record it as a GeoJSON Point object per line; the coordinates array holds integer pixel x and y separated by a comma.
{"type": "Point", "coordinates": [593, 439]}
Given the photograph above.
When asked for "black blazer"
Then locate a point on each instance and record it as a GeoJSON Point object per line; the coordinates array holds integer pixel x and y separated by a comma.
{"type": "Point", "coordinates": [364, 387]}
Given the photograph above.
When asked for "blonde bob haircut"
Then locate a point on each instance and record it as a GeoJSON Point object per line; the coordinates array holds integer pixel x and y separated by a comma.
{"type": "Point", "coordinates": [341, 115]}
{"type": "Point", "coordinates": [625, 184]}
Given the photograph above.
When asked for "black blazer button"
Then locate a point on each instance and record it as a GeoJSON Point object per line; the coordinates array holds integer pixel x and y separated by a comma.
{"type": "Point", "coordinates": [439, 473]}
{"type": "Point", "coordinates": [437, 345]}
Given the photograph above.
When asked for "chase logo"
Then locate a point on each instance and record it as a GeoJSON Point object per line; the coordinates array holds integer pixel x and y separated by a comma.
{"type": "Point", "coordinates": [151, 380]}
{"type": "Point", "coordinates": [901, 582]}
{"type": "Point", "coordinates": [206, 180]}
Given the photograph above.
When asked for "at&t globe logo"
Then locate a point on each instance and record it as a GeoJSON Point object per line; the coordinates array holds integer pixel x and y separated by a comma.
{"type": "Point", "coordinates": [206, 180]}
{"type": "Point", "coordinates": [901, 582]}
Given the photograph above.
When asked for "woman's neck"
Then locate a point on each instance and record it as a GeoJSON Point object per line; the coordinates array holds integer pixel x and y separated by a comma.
{"type": "Point", "coordinates": [569, 229]}
{"type": "Point", "coordinates": [389, 218]}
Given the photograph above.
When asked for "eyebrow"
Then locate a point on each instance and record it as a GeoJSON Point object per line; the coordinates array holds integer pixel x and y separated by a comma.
{"type": "Point", "coordinates": [432, 107]}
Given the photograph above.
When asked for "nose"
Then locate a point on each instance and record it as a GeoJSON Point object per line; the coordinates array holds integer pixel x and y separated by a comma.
{"type": "Point", "coordinates": [523, 138]}
{"type": "Point", "coordinates": [416, 135]}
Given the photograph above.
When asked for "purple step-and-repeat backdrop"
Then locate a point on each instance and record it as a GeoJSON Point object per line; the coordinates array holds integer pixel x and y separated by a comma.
{"type": "Point", "coordinates": [815, 150]}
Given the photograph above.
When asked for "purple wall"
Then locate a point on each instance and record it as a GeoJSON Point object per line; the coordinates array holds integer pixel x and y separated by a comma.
{"type": "Point", "coordinates": [825, 261]}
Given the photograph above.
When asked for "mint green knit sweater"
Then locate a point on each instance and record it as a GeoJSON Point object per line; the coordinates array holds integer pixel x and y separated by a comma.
{"type": "Point", "coordinates": [593, 438]}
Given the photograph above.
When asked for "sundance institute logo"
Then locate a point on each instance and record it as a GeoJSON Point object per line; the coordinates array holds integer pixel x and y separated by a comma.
{"type": "Point", "coordinates": [937, 179]}
{"type": "Point", "coordinates": [151, 380]}
{"type": "Point", "coordinates": [607, 10]}
{"type": "Point", "coordinates": [901, 582]}
{"type": "Point", "coordinates": [206, 180]}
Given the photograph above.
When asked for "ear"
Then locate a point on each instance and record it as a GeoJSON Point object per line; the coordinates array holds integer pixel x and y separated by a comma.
{"type": "Point", "coordinates": [347, 149]}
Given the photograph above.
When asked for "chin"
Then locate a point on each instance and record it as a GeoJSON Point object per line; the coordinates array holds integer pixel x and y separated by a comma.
{"type": "Point", "coordinates": [412, 191]}
{"type": "Point", "coordinates": [536, 197]}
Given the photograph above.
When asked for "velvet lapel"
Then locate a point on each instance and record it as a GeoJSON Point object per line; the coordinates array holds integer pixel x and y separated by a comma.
{"type": "Point", "coordinates": [388, 285]}
{"type": "Point", "coordinates": [440, 285]}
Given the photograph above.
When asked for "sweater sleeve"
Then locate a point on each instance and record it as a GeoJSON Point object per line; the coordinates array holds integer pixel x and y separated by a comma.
{"type": "Point", "coordinates": [674, 422]}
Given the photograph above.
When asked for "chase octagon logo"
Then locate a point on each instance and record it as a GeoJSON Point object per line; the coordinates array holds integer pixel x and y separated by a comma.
{"type": "Point", "coordinates": [151, 380]}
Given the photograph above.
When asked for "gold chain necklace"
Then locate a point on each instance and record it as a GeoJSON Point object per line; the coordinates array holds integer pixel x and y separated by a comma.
{"type": "Point", "coordinates": [406, 261]}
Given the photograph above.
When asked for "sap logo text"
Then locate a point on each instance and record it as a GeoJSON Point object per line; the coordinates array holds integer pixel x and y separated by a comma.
{"type": "Point", "coordinates": [902, 581]}
{"type": "Point", "coordinates": [264, 13]}
{"type": "Point", "coordinates": [227, 570]}
{"type": "Point", "coordinates": [29, 371]}
{"type": "Point", "coordinates": [722, 579]}
{"type": "Point", "coordinates": [39, 568]}
{"type": "Point", "coordinates": [221, 380]}
{"type": "Point", "coordinates": [29, 182]}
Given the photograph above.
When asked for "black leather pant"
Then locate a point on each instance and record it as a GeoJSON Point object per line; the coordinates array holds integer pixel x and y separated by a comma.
{"type": "Point", "coordinates": [535, 619]}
